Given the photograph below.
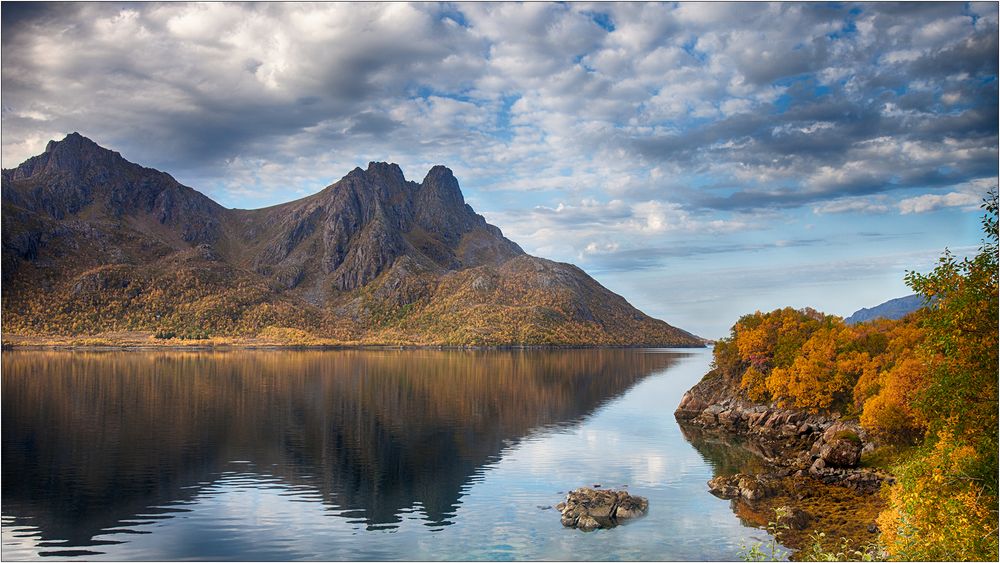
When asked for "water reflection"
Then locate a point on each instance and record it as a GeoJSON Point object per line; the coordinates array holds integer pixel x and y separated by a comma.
{"type": "Point", "coordinates": [99, 442]}
{"type": "Point", "coordinates": [837, 511]}
{"type": "Point", "coordinates": [727, 454]}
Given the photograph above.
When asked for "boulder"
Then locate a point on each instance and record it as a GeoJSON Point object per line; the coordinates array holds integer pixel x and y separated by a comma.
{"type": "Point", "coordinates": [723, 487]}
{"type": "Point", "coordinates": [789, 430]}
{"type": "Point", "coordinates": [817, 466]}
{"type": "Point", "coordinates": [728, 418]}
{"type": "Point", "coordinates": [630, 507]}
{"type": "Point", "coordinates": [760, 418]}
{"type": "Point", "coordinates": [588, 509]}
{"type": "Point", "coordinates": [832, 430]}
{"type": "Point", "coordinates": [690, 407]}
{"type": "Point", "coordinates": [710, 416]}
{"type": "Point", "coordinates": [841, 452]}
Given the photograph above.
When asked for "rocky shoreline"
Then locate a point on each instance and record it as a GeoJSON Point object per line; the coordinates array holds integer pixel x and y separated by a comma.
{"type": "Point", "coordinates": [810, 479]}
{"type": "Point", "coordinates": [826, 448]}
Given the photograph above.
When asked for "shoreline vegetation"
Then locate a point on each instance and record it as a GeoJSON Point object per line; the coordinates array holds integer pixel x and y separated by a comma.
{"type": "Point", "coordinates": [904, 412]}
{"type": "Point", "coordinates": [293, 340]}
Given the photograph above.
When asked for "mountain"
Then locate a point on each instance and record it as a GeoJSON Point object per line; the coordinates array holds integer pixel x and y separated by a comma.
{"type": "Point", "coordinates": [92, 243]}
{"type": "Point", "coordinates": [891, 309]}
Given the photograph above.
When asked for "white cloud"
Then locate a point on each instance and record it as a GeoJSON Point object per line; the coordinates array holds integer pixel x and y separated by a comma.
{"type": "Point", "coordinates": [852, 205]}
{"type": "Point", "coordinates": [600, 248]}
{"type": "Point", "coordinates": [531, 104]}
{"type": "Point", "coordinates": [932, 202]}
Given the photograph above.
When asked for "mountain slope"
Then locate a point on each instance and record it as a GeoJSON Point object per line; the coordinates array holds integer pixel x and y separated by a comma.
{"type": "Point", "coordinates": [891, 309]}
{"type": "Point", "coordinates": [94, 243]}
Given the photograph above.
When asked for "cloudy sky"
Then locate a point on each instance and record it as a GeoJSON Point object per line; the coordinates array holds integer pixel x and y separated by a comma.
{"type": "Point", "coordinates": [704, 160]}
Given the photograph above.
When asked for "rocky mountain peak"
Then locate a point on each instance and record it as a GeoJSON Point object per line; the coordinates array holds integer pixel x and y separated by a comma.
{"type": "Point", "coordinates": [74, 154]}
{"type": "Point", "coordinates": [73, 141]}
{"type": "Point", "coordinates": [441, 208]}
{"type": "Point", "coordinates": [441, 181]}
{"type": "Point", "coordinates": [76, 173]}
{"type": "Point", "coordinates": [386, 171]}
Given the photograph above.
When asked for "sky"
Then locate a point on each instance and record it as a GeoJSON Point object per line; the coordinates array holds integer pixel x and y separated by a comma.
{"type": "Point", "coordinates": [704, 160]}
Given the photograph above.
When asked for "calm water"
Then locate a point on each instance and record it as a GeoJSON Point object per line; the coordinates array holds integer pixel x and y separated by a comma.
{"type": "Point", "coordinates": [412, 455]}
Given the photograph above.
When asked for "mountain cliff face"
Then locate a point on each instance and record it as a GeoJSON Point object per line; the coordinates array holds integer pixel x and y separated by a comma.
{"type": "Point", "coordinates": [93, 243]}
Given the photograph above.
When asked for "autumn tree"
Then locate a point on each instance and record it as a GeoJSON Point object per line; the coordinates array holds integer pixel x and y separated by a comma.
{"type": "Point", "coordinates": [761, 342]}
{"type": "Point", "coordinates": [944, 504]}
{"type": "Point", "coordinates": [888, 387]}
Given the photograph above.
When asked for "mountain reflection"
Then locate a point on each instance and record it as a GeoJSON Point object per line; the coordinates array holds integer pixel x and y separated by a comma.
{"type": "Point", "coordinates": [92, 441]}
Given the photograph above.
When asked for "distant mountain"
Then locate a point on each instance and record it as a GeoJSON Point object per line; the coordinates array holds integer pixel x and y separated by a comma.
{"type": "Point", "coordinates": [891, 309]}
{"type": "Point", "coordinates": [92, 243]}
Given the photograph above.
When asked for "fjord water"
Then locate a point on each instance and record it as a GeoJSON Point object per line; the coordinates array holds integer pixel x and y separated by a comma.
{"type": "Point", "coordinates": [353, 455]}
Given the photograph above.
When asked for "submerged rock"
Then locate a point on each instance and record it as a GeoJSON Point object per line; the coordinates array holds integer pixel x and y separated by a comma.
{"type": "Point", "coordinates": [723, 487]}
{"type": "Point", "coordinates": [750, 488]}
{"type": "Point", "coordinates": [794, 518]}
{"type": "Point", "coordinates": [588, 509]}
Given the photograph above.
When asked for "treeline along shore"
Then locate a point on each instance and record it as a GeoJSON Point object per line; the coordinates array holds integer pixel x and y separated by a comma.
{"type": "Point", "coordinates": [882, 435]}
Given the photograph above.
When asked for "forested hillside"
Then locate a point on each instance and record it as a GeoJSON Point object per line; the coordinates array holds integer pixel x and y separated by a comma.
{"type": "Point", "coordinates": [925, 386]}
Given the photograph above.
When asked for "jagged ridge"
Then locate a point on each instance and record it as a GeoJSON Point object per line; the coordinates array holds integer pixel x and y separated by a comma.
{"type": "Point", "coordinates": [93, 243]}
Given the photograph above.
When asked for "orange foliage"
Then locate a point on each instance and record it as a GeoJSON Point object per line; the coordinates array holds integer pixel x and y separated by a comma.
{"type": "Point", "coordinates": [889, 413]}
{"type": "Point", "coordinates": [816, 381]}
{"type": "Point", "coordinates": [762, 342]}
{"type": "Point", "coordinates": [807, 360]}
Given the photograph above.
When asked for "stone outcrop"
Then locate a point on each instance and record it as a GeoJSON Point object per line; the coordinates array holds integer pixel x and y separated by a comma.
{"type": "Point", "coordinates": [589, 509]}
{"type": "Point", "coordinates": [747, 487]}
{"type": "Point", "coordinates": [825, 447]}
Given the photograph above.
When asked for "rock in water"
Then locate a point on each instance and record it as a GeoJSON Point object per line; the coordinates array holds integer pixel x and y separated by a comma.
{"type": "Point", "coordinates": [588, 523]}
{"type": "Point", "coordinates": [722, 486]}
{"type": "Point", "coordinates": [588, 509]}
{"type": "Point", "coordinates": [631, 507]}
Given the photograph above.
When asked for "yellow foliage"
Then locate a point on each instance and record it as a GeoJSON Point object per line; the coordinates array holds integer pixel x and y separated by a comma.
{"type": "Point", "coordinates": [755, 384]}
{"type": "Point", "coordinates": [287, 335]}
{"type": "Point", "coordinates": [937, 512]}
{"type": "Point", "coordinates": [762, 342]}
{"type": "Point", "coordinates": [889, 413]}
{"type": "Point", "coordinates": [807, 360]}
